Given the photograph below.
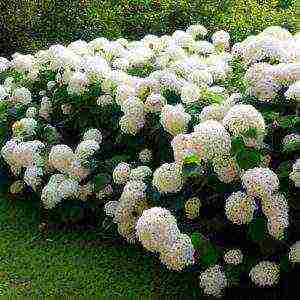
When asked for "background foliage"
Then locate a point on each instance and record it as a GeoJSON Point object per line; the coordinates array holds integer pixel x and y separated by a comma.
{"type": "Point", "coordinates": [27, 26]}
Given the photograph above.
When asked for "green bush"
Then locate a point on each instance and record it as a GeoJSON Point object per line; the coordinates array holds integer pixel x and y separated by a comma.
{"type": "Point", "coordinates": [31, 25]}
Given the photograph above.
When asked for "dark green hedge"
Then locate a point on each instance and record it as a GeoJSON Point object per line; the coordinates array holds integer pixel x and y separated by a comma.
{"type": "Point", "coordinates": [26, 26]}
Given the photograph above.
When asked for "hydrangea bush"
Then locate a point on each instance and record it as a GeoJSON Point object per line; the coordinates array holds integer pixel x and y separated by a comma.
{"type": "Point", "coordinates": [189, 146]}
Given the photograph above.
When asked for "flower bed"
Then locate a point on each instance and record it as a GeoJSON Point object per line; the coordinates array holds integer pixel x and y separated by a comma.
{"type": "Point", "coordinates": [185, 145]}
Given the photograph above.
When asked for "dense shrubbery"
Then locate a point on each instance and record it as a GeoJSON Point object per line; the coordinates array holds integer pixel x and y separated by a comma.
{"type": "Point", "coordinates": [188, 146]}
{"type": "Point", "coordinates": [32, 25]}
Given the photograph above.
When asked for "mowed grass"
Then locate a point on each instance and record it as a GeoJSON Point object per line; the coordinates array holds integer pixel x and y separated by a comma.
{"type": "Point", "coordinates": [77, 263]}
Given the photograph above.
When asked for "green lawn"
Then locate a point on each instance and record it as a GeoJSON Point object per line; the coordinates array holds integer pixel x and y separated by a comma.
{"type": "Point", "coordinates": [77, 263]}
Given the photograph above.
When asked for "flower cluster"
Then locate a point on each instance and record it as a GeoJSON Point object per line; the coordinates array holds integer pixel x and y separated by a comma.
{"type": "Point", "coordinates": [295, 174]}
{"type": "Point", "coordinates": [158, 232]}
{"type": "Point", "coordinates": [265, 273]}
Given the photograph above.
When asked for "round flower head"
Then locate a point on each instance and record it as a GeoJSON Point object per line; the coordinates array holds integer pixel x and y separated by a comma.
{"type": "Point", "coordinates": [31, 112]}
{"type": "Point", "coordinates": [197, 30]}
{"type": "Point", "coordinates": [174, 119]}
{"type": "Point", "coordinates": [179, 255]}
{"type": "Point", "coordinates": [265, 273]}
{"type": "Point", "coordinates": [190, 93]}
{"type": "Point", "coordinates": [192, 207]}
{"type": "Point", "coordinates": [145, 156]}
{"type": "Point", "coordinates": [213, 281]}
{"type": "Point", "coordinates": [293, 92]}
{"type": "Point", "coordinates": [260, 182]}
{"type": "Point", "coordinates": [233, 256]}
{"type": "Point", "coordinates": [182, 147]}
{"type": "Point", "coordinates": [168, 178]}
{"type": "Point", "coordinates": [295, 174]}
{"type": "Point", "coordinates": [110, 208]}
{"type": "Point", "coordinates": [262, 82]}
{"type": "Point", "coordinates": [210, 139]}
{"type": "Point", "coordinates": [221, 39]}
{"type": "Point", "coordinates": [294, 253]}
{"type": "Point", "coordinates": [140, 173]}
{"type": "Point", "coordinates": [241, 118]}
{"type": "Point", "coordinates": [154, 102]}
{"type": "Point", "coordinates": [131, 124]}
{"type": "Point", "coordinates": [77, 83]}
{"type": "Point", "coordinates": [21, 95]}
{"type": "Point", "coordinates": [93, 134]}
{"type": "Point", "coordinates": [133, 107]}
{"type": "Point", "coordinates": [276, 210]}
{"type": "Point", "coordinates": [239, 208]}
{"type": "Point", "coordinates": [213, 112]}
{"type": "Point", "coordinates": [226, 168]}
{"type": "Point", "coordinates": [121, 173]}
{"type": "Point", "coordinates": [25, 126]}
{"type": "Point", "coordinates": [32, 177]}
{"type": "Point", "coordinates": [17, 187]}
{"type": "Point", "coordinates": [277, 32]}
{"type": "Point", "coordinates": [61, 157]}
{"type": "Point", "coordinates": [200, 77]}
{"type": "Point", "coordinates": [157, 229]}
{"type": "Point", "coordinates": [203, 48]}
{"type": "Point", "coordinates": [86, 149]}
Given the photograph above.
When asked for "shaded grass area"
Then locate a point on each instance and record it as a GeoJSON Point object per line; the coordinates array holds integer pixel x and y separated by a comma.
{"type": "Point", "coordinates": [77, 263]}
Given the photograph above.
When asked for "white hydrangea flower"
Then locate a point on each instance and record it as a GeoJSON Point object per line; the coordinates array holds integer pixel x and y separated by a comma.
{"type": "Point", "coordinates": [21, 95]}
{"type": "Point", "coordinates": [203, 48]}
{"type": "Point", "coordinates": [276, 209]}
{"type": "Point", "coordinates": [179, 255]}
{"type": "Point", "coordinates": [213, 281]}
{"type": "Point", "coordinates": [4, 64]}
{"type": "Point", "coordinates": [262, 81]}
{"type": "Point", "coordinates": [241, 118]}
{"type": "Point", "coordinates": [24, 126]}
{"type": "Point", "coordinates": [93, 134]}
{"type": "Point", "coordinates": [104, 100]}
{"type": "Point", "coordinates": [140, 173]}
{"type": "Point", "coordinates": [154, 102]}
{"type": "Point", "coordinates": [121, 173]}
{"type": "Point", "coordinates": [123, 92]}
{"type": "Point", "coordinates": [182, 147]}
{"type": "Point", "coordinates": [295, 174]}
{"type": "Point", "coordinates": [168, 178]}
{"type": "Point", "coordinates": [294, 253]}
{"type": "Point", "coordinates": [61, 158]}
{"type": "Point", "coordinates": [131, 124]}
{"type": "Point", "coordinates": [31, 112]}
{"type": "Point", "coordinates": [156, 229]}
{"type": "Point", "coordinates": [197, 30]}
{"type": "Point", "coordinates": [221, 39]}
{"type": "Point", "coordinates": [46, 108]}
{"type": "Point", "coordinates": [132, 107]}
{"type": "Point", "coordinates": [110, 208]}
{"type": "Point", "coordinates": [192, 207]}
{"type": "Point", "coordinates": [86, 149]}
{"type": "Point", "coordinates": [190, 93]}
{"type": "Point", "coordinates": [145, 156]}
{"type": "Point", "coordinates": [260, 182]}
{"type": "Point", "coordinates": [210, 140]}
{"type": "Point", "coordinates": [32, 177]}
{"type": "Point", "coordinates": [77, 83]}
{"type": "Point", "coordinates": [265, 273]}
{"type": "Point", "coordinates": [3, 93]}
{"type": "Point", "coordinates": [213, 112]}
{"type": "Point", "coordinates": [293, 92]}
{"type": "Point", "coordinates": [226, 168]}
{"type": "Point", "coordinates": [277, 32]}
{"type": "Point", "coordinates": [201, 77]}
{"type": "Point", "coordinates": [17, 187]}
{"type": "Point", "coordinates": [23, 63]}
{"type": "Point", "coordinates": [234, 256]}
{"type": "Point", "coordinates": [174, 119]}
{"type": "Point", "coordinates": [239, 208]}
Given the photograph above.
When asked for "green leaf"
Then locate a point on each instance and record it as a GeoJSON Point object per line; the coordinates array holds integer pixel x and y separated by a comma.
{"type": "Point", "coordinates": [284, 169]}
{"type": "Point", "coordinates": [257, 229]}
{"type": "Point", "coordinates": [249, 158]}
{"type": "Point", "coordinates": [237, 144]}
{"type": "Point", "coordinates": [192, 159]}
{"type": "Point", "coordinates": [101, 180]}
{"type": "Point", "coordinates": [291, 146]}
